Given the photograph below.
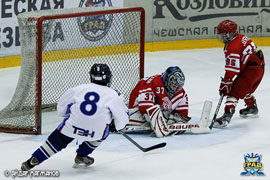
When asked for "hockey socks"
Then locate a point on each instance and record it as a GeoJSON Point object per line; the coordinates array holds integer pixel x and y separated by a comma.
{"type": "Point", "coordinates": [88, 147]}
{"type": "Point", "coordinates": [55, 143]}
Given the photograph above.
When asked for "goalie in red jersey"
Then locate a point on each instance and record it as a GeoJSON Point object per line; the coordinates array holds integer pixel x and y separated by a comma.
{"type": "Point", "coordinates": [159, 100]}
{"type": "Point", "coordinates": [244, 70]}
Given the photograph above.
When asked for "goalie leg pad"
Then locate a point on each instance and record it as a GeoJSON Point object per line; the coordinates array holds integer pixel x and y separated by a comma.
{"type": "Point", "coordinates": [157, 121]}
{"type": "Point", "coordinates": [137, 122]}
{"type": "Point", "coordinates": [135, 117]}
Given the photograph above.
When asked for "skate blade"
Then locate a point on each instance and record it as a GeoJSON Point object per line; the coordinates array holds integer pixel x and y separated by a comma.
{"type": "Point", "coordinates": [249, 116]}
{"type": "Point", "coordinates": [217, 125]}
{"type": "Point", "coordinates": [80, 165]}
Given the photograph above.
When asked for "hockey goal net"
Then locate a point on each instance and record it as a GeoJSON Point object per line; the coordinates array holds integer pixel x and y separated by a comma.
{"type": "Point", "coordinates": [58, 49]}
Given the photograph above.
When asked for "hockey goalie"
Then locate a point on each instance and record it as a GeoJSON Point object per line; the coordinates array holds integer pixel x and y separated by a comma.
{"type": "Point", "coordinates": [160, 104]}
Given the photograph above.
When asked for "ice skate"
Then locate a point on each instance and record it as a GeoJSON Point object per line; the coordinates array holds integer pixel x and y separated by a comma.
{"type": "Point", "coordinates": [249, 111]}
{"type": "Point", "coordinates": [224, 120]}
{"type": "Point", "coordinates": [82, 161]}
{"type": "Point", "coordinates": [29, 164]}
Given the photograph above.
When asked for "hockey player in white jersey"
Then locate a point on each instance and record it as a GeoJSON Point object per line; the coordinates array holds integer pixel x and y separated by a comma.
{"type": "Point", "coordinates": [88, 110]}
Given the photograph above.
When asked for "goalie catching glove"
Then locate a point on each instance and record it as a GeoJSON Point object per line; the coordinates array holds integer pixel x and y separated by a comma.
{"type": "Point", "coordinates": [176, 117]}
{"type": "Point", "coordinates": [179, 118]}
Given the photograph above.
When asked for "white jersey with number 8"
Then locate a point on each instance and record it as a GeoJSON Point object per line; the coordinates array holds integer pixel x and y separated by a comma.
{"type": "Point", "coordinates": [89, 109]}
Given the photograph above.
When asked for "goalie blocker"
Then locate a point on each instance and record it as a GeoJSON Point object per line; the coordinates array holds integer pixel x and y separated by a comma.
{"type": "Point", "coordinates": [159, 124]}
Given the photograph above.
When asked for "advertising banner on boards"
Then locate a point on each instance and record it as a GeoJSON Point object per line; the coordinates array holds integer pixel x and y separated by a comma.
{"type": "Point", "coordinates": [174, 20]}
{"type": "Point", "coordinates": [190, 19]}
{"type": "Point", "coordinates": [9, 9]}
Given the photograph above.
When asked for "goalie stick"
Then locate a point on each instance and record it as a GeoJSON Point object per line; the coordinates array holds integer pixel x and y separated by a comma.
{"type": "Point", "coordinates": [201, 127]}
{"type": "Point", "coordinates": [140, 147]}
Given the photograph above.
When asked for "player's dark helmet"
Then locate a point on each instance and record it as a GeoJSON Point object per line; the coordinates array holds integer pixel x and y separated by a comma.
{"type": "Point", "coordinates": [226, 31]}
{"type": "Point", "coordinates": [101, 74]}
{"type": "Point", "coordinates": [173, 79]}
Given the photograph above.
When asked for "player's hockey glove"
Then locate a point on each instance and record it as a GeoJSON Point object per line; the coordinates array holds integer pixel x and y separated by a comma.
{"type": "Point", "coordinates": [225, 86]}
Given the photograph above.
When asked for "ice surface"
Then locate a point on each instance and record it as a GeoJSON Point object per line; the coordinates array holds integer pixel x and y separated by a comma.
{"type": "Point", "coordinates": [216, 155]}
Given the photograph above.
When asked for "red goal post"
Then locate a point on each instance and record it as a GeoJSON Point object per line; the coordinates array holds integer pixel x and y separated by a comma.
{"type": "Point", "coordinates": [58, 49]}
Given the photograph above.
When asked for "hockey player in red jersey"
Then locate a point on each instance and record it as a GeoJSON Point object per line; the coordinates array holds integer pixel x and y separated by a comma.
{"type": "Point", "coordinates": [161, 97]}
{"type": "Point", "coordinates": [244, 70]}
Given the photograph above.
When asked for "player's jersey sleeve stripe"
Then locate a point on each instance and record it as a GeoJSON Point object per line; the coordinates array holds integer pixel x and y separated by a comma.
{"type": "Point", "coordinates": [177, 101]}
{"type": "Point", "coordinates": [234, 63]}
{"type": "Point", "coordinates": [177, 97]}
{"type": "Point", "coordinates": [145, 90]}
{"type": "Point", "coordinates": [183, 108]}
{"type": "Point", "coordinates": [146, 104]}
{"type": "Point", "coordinates": [236, 68]}
{"type": "Point", "coordinates": [245, 59]}
{"type": "Point", "coordinates": [180, 107]}
{"type": "Point", "coordinates": [236, 55]}
{"type": "Point", "coordinates": [60, 127]}
{"type": "Point", "coordinates": [232, 69]}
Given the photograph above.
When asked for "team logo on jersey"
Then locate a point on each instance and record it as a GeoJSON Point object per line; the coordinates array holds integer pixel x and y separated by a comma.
{"type": "Point", "coordinates": [167, 104]}
{"type": "Point", "coordinates": [252, 165]}
{"type": "Point", "coordinates": [83, 132]}
{"type": "Point", "coordinates": [96, 27]}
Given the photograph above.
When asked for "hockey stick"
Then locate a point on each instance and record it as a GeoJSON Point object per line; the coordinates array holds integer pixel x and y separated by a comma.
{"type": "Point", "coordinates": [194, 128]}
{"type": "Point", "coordinates": [140, 147]}
{"type": "Point", "coordinates": [216, 112]}
{"type": "Point", "coordinates": [171, 127]}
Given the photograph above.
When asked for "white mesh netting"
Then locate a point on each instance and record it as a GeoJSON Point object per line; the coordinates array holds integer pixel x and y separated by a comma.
{"type": "Point", "coordinates": [71, 44]}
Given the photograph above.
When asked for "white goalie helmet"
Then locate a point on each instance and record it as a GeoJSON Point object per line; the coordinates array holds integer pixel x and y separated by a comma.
{"type": "Point", "coordinates": [173, 79]}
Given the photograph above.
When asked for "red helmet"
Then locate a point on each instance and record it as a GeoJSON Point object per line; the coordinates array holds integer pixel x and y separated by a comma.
{"type": "Point", "coordinates": [226, 26]}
